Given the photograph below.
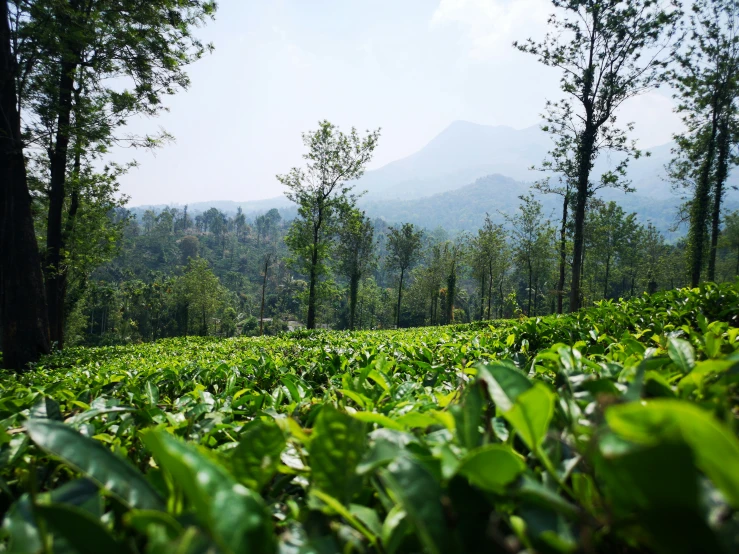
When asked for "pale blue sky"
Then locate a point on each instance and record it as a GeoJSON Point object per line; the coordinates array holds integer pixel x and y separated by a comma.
{"type": "Point", "coordinates": [408, 66]}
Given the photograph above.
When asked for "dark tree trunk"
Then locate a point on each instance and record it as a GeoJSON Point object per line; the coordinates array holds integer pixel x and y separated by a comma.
{"type": "Point", "coordinates": [585, 163]}
{"type": "Point", "coordinates": [54, 270]}
{"type": "Point", "coordinates": [528, 304]}
{"type": "Point", "coordinates": [482, 295]}
{"type": "Point", "coordinates": [722, 170]}
{"type": "Point", "coordinates": [490, 295]}
{"type": "Point", "coordinates": [607, 276]}
{"type": "Point", "coordinates": [699, 208]}
{"type": "Point", "coordinates": [400, 295]}
{"type": "Point", "coordinates": [311, 322]}
{"type": "Point", "coordinates": [264, 288]}
{"type": "Point", "coordinates": [23, 313]}
{"type": "Point", "coordinates": [562, 253]}
{"type": "Point", "coordinates": [353, 292]}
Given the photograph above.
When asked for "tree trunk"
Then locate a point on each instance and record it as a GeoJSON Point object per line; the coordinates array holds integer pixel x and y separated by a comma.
{"type": "Point", "coordinates": [722, 170]}
{"type": "Point", "coordinates": [562, 253]}
{"type": "Point", "coordinates": [605, 281]}
{"type": "Point", "coordinates": [482, 295]}
{"type": "Point", "coordinates": [585, 157]}
{"type": "Point", "coordinates": [311, 322]}
{"type": "Point", "coordinates": [264, 288]}
{"type": "Point", "coordinates": [528, 304]}
{"type": "Point", "coordinates": [490, 295]}
{"type": "Point", "coordinates": [400, 294]}
{"type": "Point", "coordinates": [353, 290]}
{"type": "Point", "coordinates": [699, 208]}
{"type": "Point", "coordinates": [23, 316]}
{"type": "Point", "coordinates": [54, 271]}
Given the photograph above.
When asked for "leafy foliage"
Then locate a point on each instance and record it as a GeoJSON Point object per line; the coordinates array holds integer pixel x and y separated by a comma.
{"type": "Point", "coordinates": [613, 427]}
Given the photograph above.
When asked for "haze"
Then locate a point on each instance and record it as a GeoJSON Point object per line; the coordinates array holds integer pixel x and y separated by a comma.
{"type": "Point", "coordinates": [410, 67]}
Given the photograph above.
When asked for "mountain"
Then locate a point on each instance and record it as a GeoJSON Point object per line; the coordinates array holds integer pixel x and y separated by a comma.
{"type": "Point", "coordinates": [469, 170]}
{"type": "Point", "coordinates": [466, 151]}
{"type": "Point", "coordinates": [464, 209]}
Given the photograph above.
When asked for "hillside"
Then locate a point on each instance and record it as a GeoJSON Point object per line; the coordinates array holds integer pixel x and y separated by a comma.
{"type": "Point", "coordinates": [469, 170]}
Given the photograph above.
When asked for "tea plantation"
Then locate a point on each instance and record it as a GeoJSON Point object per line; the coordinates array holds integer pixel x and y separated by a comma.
{"type": "Point", "coordinates": [613, 430]}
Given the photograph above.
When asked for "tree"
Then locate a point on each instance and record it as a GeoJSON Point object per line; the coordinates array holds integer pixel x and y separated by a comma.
{"type": "Point", "coordinates": [189, 247]}
{"type": "Point", "coordinates": [532, 245]}
{"type": "Point", "coordinates": [562, 163]}
{"type": "Point", "coordinates": [612, 235]}
{"type": "Point", "coordinates": [23, 316]}
{"type": "Point", "coordinates": [404, 247]}
{"type": "Point", "coordinates": [490, 255]}
{"type": "Point", "coordinates": [267, 259]}
{"type": "Point", "coordinates": [707, 82]}
{"type": "Point", "coordinates": [321, 191]}
{"type": "Point", "coordinates": [88, 67]}
{"type": "Point", "coordinates": [355, 253]}
{"type": "Point", "coordinates": [608, 51]}
{"type": "Point", "coordinates": [731, 236]}
{"type": "Point", "coordinates": [202, 293]}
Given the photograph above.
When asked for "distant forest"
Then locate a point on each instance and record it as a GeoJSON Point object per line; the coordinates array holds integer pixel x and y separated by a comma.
{"type": "Point", "coordinates": [77, 267]}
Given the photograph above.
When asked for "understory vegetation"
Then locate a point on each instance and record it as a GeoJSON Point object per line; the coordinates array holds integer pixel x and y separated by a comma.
{"type": "Point", "coordinates": [613, 429]}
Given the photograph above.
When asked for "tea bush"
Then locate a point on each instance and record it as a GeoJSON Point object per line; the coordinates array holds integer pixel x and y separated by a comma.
{"type": "Point", "coordinates": [610, 430]}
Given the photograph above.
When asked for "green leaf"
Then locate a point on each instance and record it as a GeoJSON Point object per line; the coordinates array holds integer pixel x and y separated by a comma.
{"type": "Point", "coordinates": [350, 517]}
{"type": "Point", "coordinates": [492, 467]}
{"type": "Point", "coordinates": [714, 446]}
{"type": "Point", "coordinates": [97, 462]}
{"type": "Point", "coordinates": [235, 516]}
{"type": "Point", "coordinates": [151, 392]}
{"type": "Point", "coordinates": [503, 383]}
{"type": "Point", "coordinates": [47, 408]}
{"type": "Point", "coordinates": [335, 450]}
{"type": "Point", "coordinates": [681, 353]}
{"type": "Point", "coordinates": [77, 527]}
{"type": "Point", "coordinates": [419, 494]}
{"type": "Point", "coordinates": [468, 418]}
{"type": "Point", "coordinates": [380, 419]}
{"type": "Point", "coordinates": [531, 414]}
{"type": "Point", "coordinates": [256, 459]}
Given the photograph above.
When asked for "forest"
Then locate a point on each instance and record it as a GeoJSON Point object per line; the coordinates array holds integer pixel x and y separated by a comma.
{"type": "Point", "coordinates": [561, 376]}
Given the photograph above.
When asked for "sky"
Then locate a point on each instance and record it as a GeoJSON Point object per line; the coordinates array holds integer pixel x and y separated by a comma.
{"type": "Point", "coordinates": [410, 67]}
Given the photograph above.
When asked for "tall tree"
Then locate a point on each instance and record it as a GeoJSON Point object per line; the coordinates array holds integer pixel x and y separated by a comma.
{"type": "Point", "coordinates": [404, 248]}
{"type": "Point", "coordinates": [23, 317]}
{"type": "Point", "coordinates": [707, 82]}
{"type": "Point", "coordinates": [532, 236]}
{"type": "Point", "coordinates": [88, 66]}
{"type": "Point", "coordinates": [608, 51]}
{"type": "Point", "coordinates": [731, 236]}
{"type": "Point", "coordinates": [321, 191]}
{"type": "Point", "coordinates": [355, 253]}
{"type": "Point", "coordinates": [562, 163]}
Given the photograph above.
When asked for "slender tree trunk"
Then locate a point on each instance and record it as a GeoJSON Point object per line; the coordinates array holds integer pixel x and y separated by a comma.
{"type": "Point", "coordinates": [500, 308]}
{"type": "Point", "coordinates": [311, 322]}
{"type": "Point", "coordinates": [528, 304]}
{"type": "Point", "coordinates": [23, 315]}
{"type": "Point", "coordinates": [490, 295]}
{"type": "Point", "coordinates": [605, 281]}
{"type": "Point", "coordinates": [562, 252]}
{"type": "Point", "coordinates": [55, 272]}
{"type": "Point", "coordinates": [482, 295]}
{"type": "Point", "coordinates": [400, 294]}
{"type": "Point", "coordinates": [737, 261]}
{"type": "Point", "coordinates": [585, 164]}
{"type": "Point", "coordinates": [264, 288]}
{"type": "Point", "coordinates": [699, 208]}
{"type": "Point", "coordinates": [722, 170]}
{"type": "Point", "coordinates": [353, 290]}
